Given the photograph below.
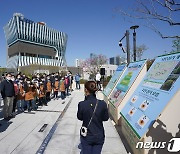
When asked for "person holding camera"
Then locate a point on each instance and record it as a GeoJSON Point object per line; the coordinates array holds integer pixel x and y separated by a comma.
{"type": "Point", "coordinates": [92, 112]}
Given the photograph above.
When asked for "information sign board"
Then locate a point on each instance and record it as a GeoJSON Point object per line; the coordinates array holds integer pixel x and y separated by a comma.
{"type": "Point", "coordinates": [125, 82]}
{"type": "Point", "coordinates": [114, 80]}
{"type": "Point", "coordinates": [153, 94]}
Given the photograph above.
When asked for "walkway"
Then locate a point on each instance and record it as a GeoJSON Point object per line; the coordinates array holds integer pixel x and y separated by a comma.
{"type": "Point", "coordinates": [24, 134]}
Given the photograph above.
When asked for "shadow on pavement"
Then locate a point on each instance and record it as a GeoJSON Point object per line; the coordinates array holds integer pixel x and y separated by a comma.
{"type": "Point", "coordinates": [4, 125]}
{"type": "Point", "coordinates": [160, 134]}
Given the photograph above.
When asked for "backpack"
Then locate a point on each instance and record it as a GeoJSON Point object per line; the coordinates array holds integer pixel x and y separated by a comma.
{"type": "Point", "coordinates": [66, 81]}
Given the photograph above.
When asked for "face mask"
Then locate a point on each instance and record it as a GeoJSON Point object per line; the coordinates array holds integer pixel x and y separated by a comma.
{"type": "Point", "coordinates": [12, 79]}
{"type": "Point", "coordinates": [28, 82]}
{"type": "Point", "coordinates": [8, 78]}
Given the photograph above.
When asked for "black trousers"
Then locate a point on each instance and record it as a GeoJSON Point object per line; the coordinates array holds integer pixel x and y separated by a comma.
{"type": "Point", "coordinates": [48, 96]}
{"type": "Point", "coordinates": [42, 101]}
{"type": "Point", "coordinates": [55, 94]}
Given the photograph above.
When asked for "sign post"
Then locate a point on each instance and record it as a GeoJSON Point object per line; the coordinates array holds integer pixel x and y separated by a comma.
{"type": "Point", "coordinates": [125, 87]}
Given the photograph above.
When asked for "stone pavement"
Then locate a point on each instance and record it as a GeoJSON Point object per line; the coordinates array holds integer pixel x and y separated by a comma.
{"type": "Point", "coordinates": [61, 136]}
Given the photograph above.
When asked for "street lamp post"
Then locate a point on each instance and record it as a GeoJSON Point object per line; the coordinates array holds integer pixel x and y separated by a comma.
{"type": "Point", "coordinates": [127, 46]}
{"type": "Point", "coordinates": [78, 69]}
{"type": "Point", "coordinates": [134, 40]}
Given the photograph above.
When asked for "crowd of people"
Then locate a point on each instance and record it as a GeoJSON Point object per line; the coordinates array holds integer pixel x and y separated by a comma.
{"type": "Point", "coordinates": [20, 93]}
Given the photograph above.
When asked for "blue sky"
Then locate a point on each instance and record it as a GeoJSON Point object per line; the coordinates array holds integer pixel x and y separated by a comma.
{"type": "Point", "coordinates": [92, 26]}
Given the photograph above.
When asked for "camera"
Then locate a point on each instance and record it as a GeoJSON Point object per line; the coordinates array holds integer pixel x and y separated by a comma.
{"type": "Point", "coordinates": [83, 131]}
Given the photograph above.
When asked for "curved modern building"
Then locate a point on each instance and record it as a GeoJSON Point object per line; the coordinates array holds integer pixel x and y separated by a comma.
{"type": "Point", "coordinates": [32, 42]}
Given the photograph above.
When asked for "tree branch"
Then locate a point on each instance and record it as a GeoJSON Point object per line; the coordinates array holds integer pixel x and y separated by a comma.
{"type": "Point", "coordinates": [148, 12]}
{"type": "Point", "coordinates": [166, 5]}
{"type": "Point", "coordinates": [155, 15]}
{"type": "Point", "coordinates": [152, 27]}
{"type": "Point", "coordinates": [172, 2]}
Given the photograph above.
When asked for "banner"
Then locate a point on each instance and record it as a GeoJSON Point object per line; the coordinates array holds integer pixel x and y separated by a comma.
{"type": "Point", "coordinates": [125, 82]}
{"type": "Point", "coordinates": [153, 94]}
{"type": "Point", "coordinates": [114, 80]}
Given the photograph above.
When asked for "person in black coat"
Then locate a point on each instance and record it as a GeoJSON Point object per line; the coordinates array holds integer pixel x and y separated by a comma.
{"type": "Point", "coordinates": [93, 142]}
{"type": "Point", "coordinates": [7, 93]}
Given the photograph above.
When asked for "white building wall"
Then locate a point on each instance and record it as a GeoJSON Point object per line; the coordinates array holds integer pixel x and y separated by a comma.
{"type": "Point", "coordinates": [109, 69]}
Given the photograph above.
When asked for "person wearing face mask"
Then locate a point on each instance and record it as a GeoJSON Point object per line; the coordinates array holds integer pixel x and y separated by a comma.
{"type": "Point", "coordinates": [56, 88]}
{"type": "Point", "coordinates": [30, 96]}
{"type": "Point", "coordinates": [92, 112]}
{"type": "Point", "coordinates": [48, 89]}
{"type": "Point", "coordinates": [36, 90]}
{"type": "Point", "coordinates": [20, 97]}
{"type": "Point", "coordinates": [42, 92]}
{"type": "Point", "coordinates": [16, 93]}
{"type": "Point", "coordinates": [62, 89]}
{"type": "Point", "coordinates": [67, 84]}
{"type": "Point", "coordinates": [8, 93]}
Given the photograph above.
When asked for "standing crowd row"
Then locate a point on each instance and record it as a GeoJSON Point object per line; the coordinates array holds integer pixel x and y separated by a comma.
{"type": "Point", "coordinates": [20, 93]}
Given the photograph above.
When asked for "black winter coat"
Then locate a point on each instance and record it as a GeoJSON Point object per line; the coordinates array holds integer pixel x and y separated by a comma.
{"type": "Point", "coordinates": [7, 89]}
{"type": "Point", "coordinates": [96, 133]}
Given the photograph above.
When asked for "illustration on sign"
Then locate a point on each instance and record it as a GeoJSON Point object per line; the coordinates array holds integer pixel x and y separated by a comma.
{"type": "Point", "coordinates": [153, 94]}
{"type": "Point", "coordinates": [114, 80]}
{"type": "Point", "coordinates": [125, 83]}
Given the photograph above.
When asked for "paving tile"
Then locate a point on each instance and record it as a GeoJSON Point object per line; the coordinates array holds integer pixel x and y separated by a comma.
{"type": "Point", "coordinates": [111, 132]}
{"type": "Point", "coordinates": [57, 151]}
{"type": "Point", "coordinates": [22, 136]}
{"type": "Point", "coordinates": [65, 129]}
{"type": "Point", "coordinates": [76, 143]}
{"type": "Point", "coordinates": [68, 121]}
{"type": "Point", "coordinates": [114, 145]}
{"type": "Point", "coordinates": [62, 142]}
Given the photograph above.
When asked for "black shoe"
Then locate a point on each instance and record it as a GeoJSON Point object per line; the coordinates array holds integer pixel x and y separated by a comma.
{"type": "Point", "coordinates": [12, 116]}
{"type": "Point", "coordinates": [7, 119]}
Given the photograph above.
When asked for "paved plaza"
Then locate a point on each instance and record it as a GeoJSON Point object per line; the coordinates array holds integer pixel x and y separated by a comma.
{"type": "Point", "coordinates": [24, 134]}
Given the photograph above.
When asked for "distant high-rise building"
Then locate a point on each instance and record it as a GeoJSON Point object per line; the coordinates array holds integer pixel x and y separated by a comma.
{"type": "Point", "coordinates": [117, 60]}
{"type": "Point", "coordinates": [32, 42]}
{"type": "Point", "coordinates": [78, 62]}
{"type": "Point", "coordinates": [92, 55]}
{"type": "Point", "coordinates": [112, 61]}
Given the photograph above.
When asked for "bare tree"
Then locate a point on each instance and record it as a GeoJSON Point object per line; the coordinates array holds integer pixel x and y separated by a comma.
{"type": "Point", "coordinates": [139, 51]}
{"type": "Point", "coordinates": [149, 10]}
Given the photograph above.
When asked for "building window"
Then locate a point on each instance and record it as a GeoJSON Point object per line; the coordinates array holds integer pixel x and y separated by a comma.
{"type": "Point", "coordinates": [110, 72]}
{"type": "Point", "coordinates": [44, 56]}
{"type": "Point", "coordinates": [22, 54]}
{"type": "Point", "coordinates": [31, 55]}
